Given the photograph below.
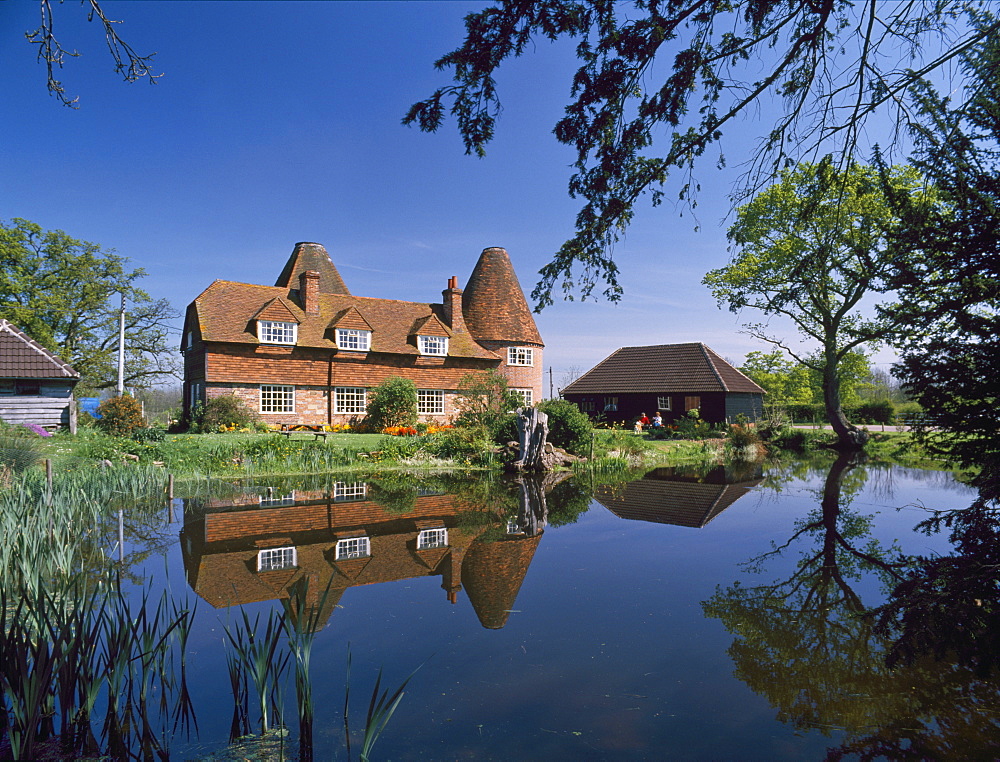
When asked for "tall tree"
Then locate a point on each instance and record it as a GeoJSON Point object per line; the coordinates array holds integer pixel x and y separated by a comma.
{"type": "Point", "coordinates": [948, 271]}
{"type": "Point", "coordinates": [66, 294]}
{"type": "Point", "coordinates": [785, 381]}
{"type": "Point", "coordinates": [686, 71]}
{"type": "Point", "coordinates": [810, 248]}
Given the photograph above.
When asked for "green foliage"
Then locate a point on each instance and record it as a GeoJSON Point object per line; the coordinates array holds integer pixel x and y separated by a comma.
{"type": "Point", "coordinates": [469, 444]}
{"type": "Point", "coordinates": [743, 441]}
{"type": "Point", "coordinates": [393, 403]}
{"type": "Point", "coordinates": [486, 402]}
{"type": "Point", "coordinates": [18, 451]}
{"type": "Point", "coordinates": [569, 428]}
{"type": "Point", "coordinates": [716, 61]}
{"type": "Point", "coordinates": [874, 412]}
{"type": "Point", "coordinates": [786, 382]}
{"type": "Point", "coordinates": [811, 247]}
{"type": "Point", "coordinates": [120, 416]}
{"type": "Point", "coordinates": [65, 294]}
{"type": "Point", "coordinates": [226, 412]}
{"type": "Point", "coordinates": [948, 258]}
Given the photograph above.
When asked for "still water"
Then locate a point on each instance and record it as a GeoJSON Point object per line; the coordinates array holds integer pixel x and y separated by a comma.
{"type": "Point", "coordinates": [681, 615]}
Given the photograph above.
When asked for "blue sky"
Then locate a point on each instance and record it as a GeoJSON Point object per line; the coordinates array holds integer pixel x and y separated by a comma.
{"type": "Point", "coordinates": [281, 122]}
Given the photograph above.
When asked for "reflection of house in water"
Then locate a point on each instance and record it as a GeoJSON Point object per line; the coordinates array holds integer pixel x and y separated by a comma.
{"type": "Point", "coordinates": [670, 496]}
{"type": "Point", "coordinates": [255, 548]}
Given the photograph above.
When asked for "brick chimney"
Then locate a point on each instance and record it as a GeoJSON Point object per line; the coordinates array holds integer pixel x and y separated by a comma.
{"type": "Point", "coordinates": [452, 301]}
{"type": "Point", "coordinates": [309, 291]}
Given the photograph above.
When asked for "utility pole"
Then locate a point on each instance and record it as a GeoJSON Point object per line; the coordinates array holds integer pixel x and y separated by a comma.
{"type": "Point", "coordinates": [552, 392]}
{"type": "Point", "coordinates": [121, 348]}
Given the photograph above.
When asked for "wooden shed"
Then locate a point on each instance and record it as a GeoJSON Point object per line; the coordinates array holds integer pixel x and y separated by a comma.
{"type": "Point", "coordinates": [35, 385]}
{"type": "Point", "coordinates": [670, 378]}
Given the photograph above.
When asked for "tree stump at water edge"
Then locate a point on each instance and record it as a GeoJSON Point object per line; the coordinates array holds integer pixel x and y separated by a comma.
{"type": "Point", "coordinates": [532, 433]}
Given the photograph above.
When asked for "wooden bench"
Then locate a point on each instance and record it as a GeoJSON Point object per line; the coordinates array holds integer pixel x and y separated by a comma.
{"type": "Point", "coordinates": [317, 431]}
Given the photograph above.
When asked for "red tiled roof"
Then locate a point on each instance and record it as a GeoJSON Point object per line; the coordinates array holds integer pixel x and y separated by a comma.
{"type": "Point", "coordinates": [22, 357]}
{"type": "Point", "coordinates": [493, 302]}
{"type": "Point", "coordinates": [663, 368]}
{"type": "Point", "coordinates": [226, 312]}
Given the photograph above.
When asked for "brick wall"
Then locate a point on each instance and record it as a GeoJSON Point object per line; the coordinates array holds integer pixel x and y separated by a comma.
{"type": "Point", "coordinates": [520, 376]}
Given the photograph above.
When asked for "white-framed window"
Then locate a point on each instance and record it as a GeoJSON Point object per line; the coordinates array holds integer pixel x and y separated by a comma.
{"type": "Point", "coordinates": [354, 339]}
{"type": "Point", "coordinates": [276, 332]}
{"type": "Point", "coordinates": [526, 395]}
{"type": "Point", "coordinates": [520, 356]}
{"type": "Point", "coordinates": [346, 491]}
{"type": "Point", "coordinates": [353, 547]}
{"type": "Point", "coordinates": [276, 558]}
{"type": "Point", "coordinates": [430, 401]}
{"type": "Point", "coordinates": [610, 404]}
{"type": "Point", "coordinates": [350, 399]}
{"type": "Point", "coordinates": [194, 393]}
{"type": "Point", "coordinates": [432, 538]}
{"type": "Point", "coordinates": [663, 403]}
{"type": "Point", "coordinates": [513, 527]}
{"type": "Point", "coordinates": [277, 398]}
{"type": "Point", "coordinates": [272, 501]}
{"type": "Point", "coordinates": [432, 345]}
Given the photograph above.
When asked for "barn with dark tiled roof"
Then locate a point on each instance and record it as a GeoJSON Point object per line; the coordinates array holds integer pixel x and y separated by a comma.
{"type": "Point", "coordinates": [35, 385]}
{"type": "Point", "coordinates": [669, 378]}
{"type": "Point", "coordinates": [307, 351]}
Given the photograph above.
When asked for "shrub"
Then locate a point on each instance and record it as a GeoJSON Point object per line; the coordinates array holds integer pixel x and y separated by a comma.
{"type": "Point", "coordinates": [487, 403]}
{"type": "Point", "coordinates": [120, 416]}
{"type": "Point", "coordinates": [742, 441]}
{"type": "Point", "coordinates": [472, 444]}
{"type": "Point", "coordinates": [568, 427]}
{"type": "Point", "coordinates": [393, 403]}
{"type": "Point", "coordinates": [226, 413]}
{"type": "Point", "coordinates": [874, 412]}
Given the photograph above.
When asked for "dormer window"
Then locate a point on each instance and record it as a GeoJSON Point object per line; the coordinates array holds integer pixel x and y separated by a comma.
{"type": "Point", "coordinates": [520, 356]}
{"type": "Point", "coordinates": [354, 340]}
{"type": "Point", "coordinates": [272, 559]}
{"type": "Point", "coordinates": [353, 547]}
{"type": "Point", "coordinates": [275, 332]}
{"type": "Point", "coordinates": [432, 345]}
{"type": "Point", "coordinates": [432, 538]}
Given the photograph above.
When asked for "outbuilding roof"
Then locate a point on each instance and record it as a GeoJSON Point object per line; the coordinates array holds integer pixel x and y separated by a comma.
{"type": "Point", "coordinates": [663, 368]}
{"type": "Point", "coordinates": [23, 357]}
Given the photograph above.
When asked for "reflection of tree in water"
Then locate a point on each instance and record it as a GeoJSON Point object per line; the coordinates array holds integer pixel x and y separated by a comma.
{"type": "Point", "coordinates": [807, 645]}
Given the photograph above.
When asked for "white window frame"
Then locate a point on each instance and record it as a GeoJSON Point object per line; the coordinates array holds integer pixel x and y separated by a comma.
{"type": "Point", "coordinates": [520, 356]}
{"type": "Point", "coordinates": [430, 401]}
{"type": "Point", "coordinates": [663, 403]}
{"type": "Point", "coordinates": [432, 345]}
{"type": "Point", "coordinates": [287, 558]}
{"type": "Point", "coordinates": [527, 396]}
{"type": "Point", "coordinates": [432, 538]}
{"type": "Point", "coordinates": [346, 491]}
{"type": "Point", "coordinates": [350, 399]}
{"type": "Point", "coordinates": [277, 398]}
{"type": "Point", "coordinates": [277, 332]}
{"type": "Point", "coordinates": [354, 339]}
{"type": "Point", "coordinates": [353, 547]}
{"type": "Point", "coordinates": [273, 501]}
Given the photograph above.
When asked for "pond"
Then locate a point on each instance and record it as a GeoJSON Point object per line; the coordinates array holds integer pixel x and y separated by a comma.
{"type": "Point", "coordinates": [685, 614]}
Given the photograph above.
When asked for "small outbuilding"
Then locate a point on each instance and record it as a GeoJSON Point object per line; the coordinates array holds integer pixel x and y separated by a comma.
{"type": "Point", "coordinates": [35, 385]}
{"type": "Point", "coordinates": [669, 378]}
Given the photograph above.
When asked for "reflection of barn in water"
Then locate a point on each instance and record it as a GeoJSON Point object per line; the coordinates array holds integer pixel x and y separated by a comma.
{"type": "Point", "coordinates": [255, 548]}
{"type": "Point", "coordinates": [677, 495]}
